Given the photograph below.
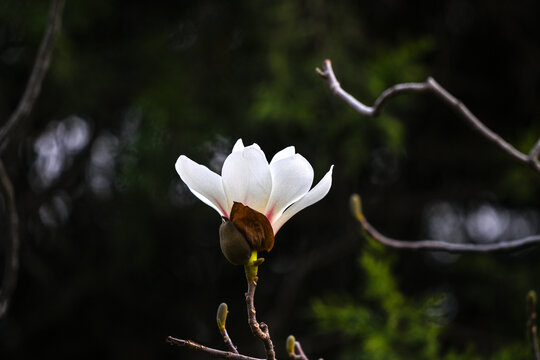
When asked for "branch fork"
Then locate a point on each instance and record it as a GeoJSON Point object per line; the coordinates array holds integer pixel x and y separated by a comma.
{"type": "Point", "coordinates": [430, 85]}
{"type": "Point", "coordinates": [24, 107]}
{"type": "Point", "coordinates": [259, 330]}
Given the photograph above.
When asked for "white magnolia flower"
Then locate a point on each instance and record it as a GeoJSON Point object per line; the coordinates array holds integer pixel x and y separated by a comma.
{"type": "Point", "coordinates": [278, 189]}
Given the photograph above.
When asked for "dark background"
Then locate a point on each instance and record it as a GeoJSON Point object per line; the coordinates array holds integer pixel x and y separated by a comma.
{"type": "Point", "coordinates": [117, 254]}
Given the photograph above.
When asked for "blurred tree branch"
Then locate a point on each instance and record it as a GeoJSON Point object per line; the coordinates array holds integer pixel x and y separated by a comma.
{"type": "Point", "coordinates": [436, 245]}
{"type": "Point", "coordinates": [22, 111]}
{"type": "Point", "coordinates": [11, 266]}
{"type": "Point", "coordinates": [41, 65]}
{"type": "Point", "coordinates": [430, 85]}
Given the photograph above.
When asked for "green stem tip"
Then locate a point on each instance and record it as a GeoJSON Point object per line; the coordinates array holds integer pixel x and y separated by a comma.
{"type": "Point", "coordinates": [356, 207]}
{"type": "Point", "coordinates": [531, 300]}
{"type": "Point", "coordinates": [252, 266]}
{"type": "Point", "coordinates": [290, 344]}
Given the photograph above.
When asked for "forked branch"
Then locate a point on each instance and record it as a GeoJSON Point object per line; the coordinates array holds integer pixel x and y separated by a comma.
{"type": "Point", "coordinates": [260, 330]}
{"type": "Point", "coordinates": [430, 85]}
{"type": "Point", "coordinates": [22, 111]}
{"type": "Point", "coordinates": [41, 65]}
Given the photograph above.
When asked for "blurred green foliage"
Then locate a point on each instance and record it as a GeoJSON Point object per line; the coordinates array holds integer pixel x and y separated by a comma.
{"type": "Point", "coordinates": [383, 323]}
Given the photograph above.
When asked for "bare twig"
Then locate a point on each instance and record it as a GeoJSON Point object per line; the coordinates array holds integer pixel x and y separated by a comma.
{"type": "Point", "coordinates": [535, 151]}
{"type": "Point", "coordinates": [299, 354]}
{"type": "Point", "coordinates": [11, 267]}
{"type": "Point", "coordinates": [37, 75]}
{"type": "Point", "coordinates": [531, 324]}
{"type": "Point", "coordinates": [294, 349]}
{"type": "Point", "coordinates": [228, 340]}
{"type": "Point", "coordinates": [260, 330]}
{"type": "Point", "coordinates": [437, 245]}
{"type": "Point", "coordinates": [210, 351]}
{"type": "Point", "coordinates": [430, 85]}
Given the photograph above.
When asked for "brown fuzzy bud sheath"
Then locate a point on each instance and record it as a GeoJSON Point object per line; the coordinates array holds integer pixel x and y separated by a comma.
{"type": "Point", "coordinates": [254, 226]}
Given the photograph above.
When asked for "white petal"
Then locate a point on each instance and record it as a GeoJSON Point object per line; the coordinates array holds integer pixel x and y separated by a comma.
{"type": "Point", "coordinates": [247, 179]}
{"type": "Point", "coordinates": [314, 195]}
{"type": "Point", "coordinates": [203, 183]}
{"type": "Point", "coordinates": [239, 145]}
{"type": "Point", "coordinates": [285, 153]}
{"type": "Point", "coordinates": [291, 179]}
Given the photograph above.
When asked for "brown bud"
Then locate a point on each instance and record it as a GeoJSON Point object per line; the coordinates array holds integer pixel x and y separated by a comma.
{"type": "Point", "coordinates": [233, 244]}
{"type": "Point", "coordinates": [254, 226]}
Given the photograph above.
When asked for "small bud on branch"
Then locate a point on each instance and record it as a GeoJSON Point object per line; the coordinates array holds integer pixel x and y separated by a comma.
{"type": "Point", "coordinates": [221, 316]}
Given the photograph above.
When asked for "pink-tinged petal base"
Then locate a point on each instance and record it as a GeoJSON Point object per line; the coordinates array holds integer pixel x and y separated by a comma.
{"type": "Point", "coordinates": [278, 190]}
{"type": "Point", "coordinates": [314, 195]}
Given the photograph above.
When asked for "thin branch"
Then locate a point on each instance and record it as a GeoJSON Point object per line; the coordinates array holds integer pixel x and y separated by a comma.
{"type": "Point", "coordinates": [295, 350]}
{"type": "Point", "coordinates": [430, 85]}
{"type": "Point", "coordinates": [531, 324]}
{"type": "Point", "coordinates": [11, 267]}
{"type": "Point", "coordinates": [228, 340]}
{"type": "Point", "coordinates": [437, 245]}
{"type": "Point", "coordinates": [41, 65]}
{"type": "Point", "coordinates": [299, 353]}
{"type": "Point", "coordinates": [210, 351]}
{"type": "Point", "coordinates": [259, 330]}
{"type": "Point", "coordinates": [535, 151]}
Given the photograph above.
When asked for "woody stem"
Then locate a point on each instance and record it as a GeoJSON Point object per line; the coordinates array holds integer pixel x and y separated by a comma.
{"type": "Point", "coordinates": [260, 330]}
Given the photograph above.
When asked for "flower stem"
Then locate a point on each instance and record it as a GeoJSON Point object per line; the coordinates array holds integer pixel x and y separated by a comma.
{"type": "Point", "coordinates": [252, 266]}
